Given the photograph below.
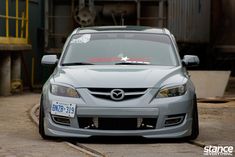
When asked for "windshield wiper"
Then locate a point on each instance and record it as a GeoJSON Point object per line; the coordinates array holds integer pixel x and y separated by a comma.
{"type": "Point", "coordinates": [76, 63]}
{"type": "Point", "coordinates": [131, 63]}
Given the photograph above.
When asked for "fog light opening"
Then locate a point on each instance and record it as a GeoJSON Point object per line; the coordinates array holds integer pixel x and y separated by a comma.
{"type": "Point", "coordinates": [173, 120]}
{"type": "Point", "coordinates": [61, 120]}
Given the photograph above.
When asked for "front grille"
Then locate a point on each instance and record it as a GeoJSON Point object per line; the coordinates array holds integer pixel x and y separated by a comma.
{"type": "Point", "coordinates": [129, 93]}
{"type": "Point", "coordinates": [117, 123]}
{"type": "Point", "coordinates": [108, 90]}
{"type": "Point", "coordinates": [85, 123]}
{"type": "Point", "coordinates": [127, 97]}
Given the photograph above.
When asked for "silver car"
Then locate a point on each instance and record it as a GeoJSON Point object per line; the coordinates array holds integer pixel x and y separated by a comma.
{"type": "Point", "coordinates": [119, 81]}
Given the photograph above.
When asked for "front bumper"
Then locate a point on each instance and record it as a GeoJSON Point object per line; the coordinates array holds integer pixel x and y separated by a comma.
{"type": "Point", "coordinates": [179, 131]}
{"type": "Point", "coordinates": [156, 108]}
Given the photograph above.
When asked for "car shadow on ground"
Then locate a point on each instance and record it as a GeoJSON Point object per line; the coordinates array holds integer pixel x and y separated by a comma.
{"type": "Point", "coordinates": [123, 140]}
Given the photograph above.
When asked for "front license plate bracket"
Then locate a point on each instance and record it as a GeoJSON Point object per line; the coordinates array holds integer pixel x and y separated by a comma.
{"type": "Point", "coordinates": [63, 109]}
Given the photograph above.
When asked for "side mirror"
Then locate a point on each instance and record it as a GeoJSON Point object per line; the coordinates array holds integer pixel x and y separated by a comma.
{"type": "Point", "coordinates": [190, 60]}
{"type": "Point", "coordinates": [49, 60]}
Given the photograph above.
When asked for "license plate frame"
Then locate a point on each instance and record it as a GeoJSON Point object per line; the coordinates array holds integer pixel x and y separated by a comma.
{"type": "Point", "coordinates": [63, 109]}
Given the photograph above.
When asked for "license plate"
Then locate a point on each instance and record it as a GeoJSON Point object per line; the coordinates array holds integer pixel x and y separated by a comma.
{"type": "Point", "coordinates": [63, 109]}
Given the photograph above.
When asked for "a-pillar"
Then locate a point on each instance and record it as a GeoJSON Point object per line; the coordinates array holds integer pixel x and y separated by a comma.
{"type": "Point", "coordinates": [5, 74]}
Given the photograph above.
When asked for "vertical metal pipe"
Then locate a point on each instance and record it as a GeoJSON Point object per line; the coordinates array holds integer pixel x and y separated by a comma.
{"type": "Point", "coordinates": [27, 20]}
{"type": "Point", "coordinates": [160, 13]}
{"type": "Point", "coordinates": [7, 19]}
{"type": "Point", "coordinates": [16, 83]}
{"type": "Point", "coordinates": [5, 74]}
{"type": "Point", "coordinates": [15, 66]}
{"type": "Point", "coordinates": [72, 7]}
{"type": "Point", "coordinates": [22, 26]}
{"type": "Point", "coordinates": [138, 12]}
{"type": "Point", "coordinates": [46, 12]}
{"type": "Point", "coordinates": [81, 4]}
{"type": "Point", "coordinates": [32, 72]}
{"type": "Point", "coordinates": [17, 16]}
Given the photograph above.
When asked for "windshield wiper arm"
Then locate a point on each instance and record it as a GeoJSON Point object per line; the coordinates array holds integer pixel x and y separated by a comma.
{"type": "Point", "coordinates": [76, 63]}
{"type": "Point", "coordinates": [131, 63]}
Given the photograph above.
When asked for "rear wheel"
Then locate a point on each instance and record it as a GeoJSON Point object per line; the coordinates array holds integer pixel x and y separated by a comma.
{"type": "Point", "coordinates": [41, 122]}
{"type": "Point", "coordinates": [195, 123]}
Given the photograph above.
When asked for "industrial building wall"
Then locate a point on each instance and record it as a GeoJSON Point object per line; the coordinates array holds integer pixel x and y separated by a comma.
{"type": "Point", "coordinates": [228, 23]}
{"type": "Point", "coordinates": [36, 40]}
{"type": "Point", "coordinates": [189, 20]}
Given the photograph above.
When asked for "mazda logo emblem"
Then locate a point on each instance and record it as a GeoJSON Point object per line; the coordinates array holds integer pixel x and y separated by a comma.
{"type": "Point", "coordinates": [117, 94]}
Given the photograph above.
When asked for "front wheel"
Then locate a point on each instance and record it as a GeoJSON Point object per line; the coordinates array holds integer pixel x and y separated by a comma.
{"type": "Point", "coordinates": [195, 123]}
{"type": "Point", "coordinates": [41, 121]}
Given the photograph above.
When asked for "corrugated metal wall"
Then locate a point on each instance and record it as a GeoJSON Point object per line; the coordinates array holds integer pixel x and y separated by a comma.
{"type": "Point", "coordinates": [227, 24]}
{"type": "Point", "coordinates": [189, 20]}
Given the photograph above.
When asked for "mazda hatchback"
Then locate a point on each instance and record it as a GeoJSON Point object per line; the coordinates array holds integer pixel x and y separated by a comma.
{"type": "Point", "coordinates": [119, 81]}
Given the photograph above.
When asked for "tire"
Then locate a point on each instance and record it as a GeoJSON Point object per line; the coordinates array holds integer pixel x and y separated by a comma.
{"type": "Point", "coordinates": [41, 121]}
{"type": "Point", "coordinates": [195, 123]}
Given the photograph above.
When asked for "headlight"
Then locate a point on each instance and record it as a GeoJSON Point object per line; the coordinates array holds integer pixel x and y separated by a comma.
{"type": "Point", "coordinates": [172, 91]}
{"type": "Point", "coordinates": [63, 91]}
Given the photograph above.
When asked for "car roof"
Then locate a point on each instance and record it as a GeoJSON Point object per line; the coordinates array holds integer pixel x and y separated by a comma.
{"type": "Point", "coordinates": [139, 29]}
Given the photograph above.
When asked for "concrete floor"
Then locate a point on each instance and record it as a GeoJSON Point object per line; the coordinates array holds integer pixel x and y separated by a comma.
{"type": "Point", "coordinates": [19, 135]}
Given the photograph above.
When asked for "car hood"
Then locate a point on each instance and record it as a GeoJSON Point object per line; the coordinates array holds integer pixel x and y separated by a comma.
{"type": "Point", "coordinates": [117, 76]}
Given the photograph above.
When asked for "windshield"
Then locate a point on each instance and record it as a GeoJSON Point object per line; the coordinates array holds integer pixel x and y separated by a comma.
{"type": "Point", "coordinates": [120, 48]}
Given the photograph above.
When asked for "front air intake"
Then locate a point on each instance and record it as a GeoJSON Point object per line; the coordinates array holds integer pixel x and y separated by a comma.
{"type": "Point", "coordinates": [61, 120]}
{"type": "Point", "coordinates": [173, 120]}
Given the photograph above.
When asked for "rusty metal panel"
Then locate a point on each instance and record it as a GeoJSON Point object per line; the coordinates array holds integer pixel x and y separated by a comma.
{"type": "Point", "coordinates": [189, 20]}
